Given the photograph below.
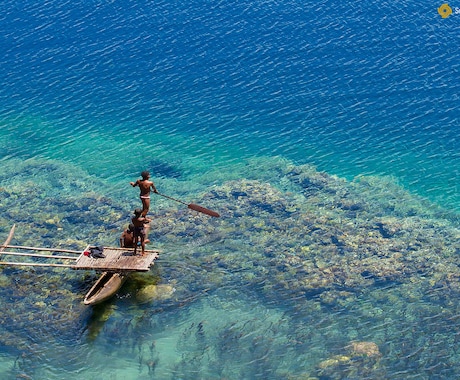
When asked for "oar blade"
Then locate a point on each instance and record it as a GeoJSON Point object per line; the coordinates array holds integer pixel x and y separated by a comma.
{"type": "Point", "coordinates": [203, 210]}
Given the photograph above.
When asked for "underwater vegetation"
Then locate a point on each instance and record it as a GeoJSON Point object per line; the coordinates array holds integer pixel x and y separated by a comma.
{"type": "Point", "coordinates": [355, 279]}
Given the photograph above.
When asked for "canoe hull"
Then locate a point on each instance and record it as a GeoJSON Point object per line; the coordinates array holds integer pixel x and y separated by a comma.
{"type": "Point", "coordinates": [105, 287]}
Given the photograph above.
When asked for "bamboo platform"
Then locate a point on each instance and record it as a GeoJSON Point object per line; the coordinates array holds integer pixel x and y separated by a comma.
{"type": "Point", "coordinates": [118, 260]}
{"type": "Point", "coordinates": [115, 260]}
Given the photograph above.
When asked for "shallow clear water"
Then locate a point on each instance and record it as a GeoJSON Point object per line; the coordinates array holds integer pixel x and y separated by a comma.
{"type": "Point", "coordinates": [228, 105]}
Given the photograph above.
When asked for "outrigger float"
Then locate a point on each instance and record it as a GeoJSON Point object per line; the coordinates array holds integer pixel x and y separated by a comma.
{"type": "Point", "coordinates": [117, 264]}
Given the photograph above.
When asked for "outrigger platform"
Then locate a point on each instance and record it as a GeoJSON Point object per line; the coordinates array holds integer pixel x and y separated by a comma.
{"type": "Point", "coordinates": [116, 265]}
{"type": "Point", "coordinates": [117, 260]}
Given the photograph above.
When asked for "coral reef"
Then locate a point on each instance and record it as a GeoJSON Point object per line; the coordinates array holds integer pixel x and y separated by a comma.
{"type": "Point", "coordinates": [333, 240]}
{"type": "Point", "coordinates": [336, 256]}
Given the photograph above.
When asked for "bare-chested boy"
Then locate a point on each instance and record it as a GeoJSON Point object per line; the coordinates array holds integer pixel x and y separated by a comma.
{"type": "Point", "coordinates": [145, 185]}
{"type": "Point", "coordinates": [139, 222]}
{"type": "Point", "coordinates": [127, 237]}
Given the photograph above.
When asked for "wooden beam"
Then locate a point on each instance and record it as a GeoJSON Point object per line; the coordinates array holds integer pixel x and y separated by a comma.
{"type": "Point", "coordinates": [132, 249]}
{"type": "Point", "coordinates": [35, 264]}
{"type": "Point", "coordinates": [40, 255]}
{"type": "Point", "coordinates": [69, 250]}
{"type": "Point", "coordinates": [8, 239]}
{"type": "Point", "coordinates": [43, 249]}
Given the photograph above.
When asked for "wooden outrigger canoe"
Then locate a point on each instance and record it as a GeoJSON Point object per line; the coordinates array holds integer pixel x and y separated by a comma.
{"type": "Point", "coordinates": [105, 287]}
{"type": "Point", "coordinates": [115, 266]}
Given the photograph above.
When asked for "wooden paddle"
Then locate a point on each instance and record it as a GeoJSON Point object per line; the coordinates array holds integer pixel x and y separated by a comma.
{"type": "Point", "coordinates": [193, 206]}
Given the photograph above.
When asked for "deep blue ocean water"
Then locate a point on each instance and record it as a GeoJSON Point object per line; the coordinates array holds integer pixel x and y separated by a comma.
{"type": "Point", "coordinates": [110, 87]}
{"type": "Point", "coordinates": [351, 88]}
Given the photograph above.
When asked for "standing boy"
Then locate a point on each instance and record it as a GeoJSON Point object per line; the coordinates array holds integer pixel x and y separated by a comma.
{"type": "Point", "coordinates": [145, 186]}
{"type": "Point", "coordinates": [139, 223]}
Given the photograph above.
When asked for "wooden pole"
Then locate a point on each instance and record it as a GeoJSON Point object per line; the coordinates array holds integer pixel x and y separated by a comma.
{"type": "Point", "coordinates": [43, 249]}
{"type": "Point", "coordinates": [67, 250]}
{"type": "Point", "coordinates": [8, 239]}
{"type": "Point", "coordinates": [36, 264]}
{"type": "Point", "coordinates": [132, 249]}
{"type": "Point", "coordinates": [40, 255]}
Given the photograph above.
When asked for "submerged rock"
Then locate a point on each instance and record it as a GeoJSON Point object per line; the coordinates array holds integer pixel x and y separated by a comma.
{"type": "Point", "coordinates": [155, 293]}
{"type": "Point", "coordinates": [361, 362]}
{"type": "Point", "coordinates": [334, 361]}
{"type": "Point", "coordinates": [369, 349]}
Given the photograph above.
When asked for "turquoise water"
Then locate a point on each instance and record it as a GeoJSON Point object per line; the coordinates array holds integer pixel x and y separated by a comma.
{"type": "Point", "coordinates": [324, 134]}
